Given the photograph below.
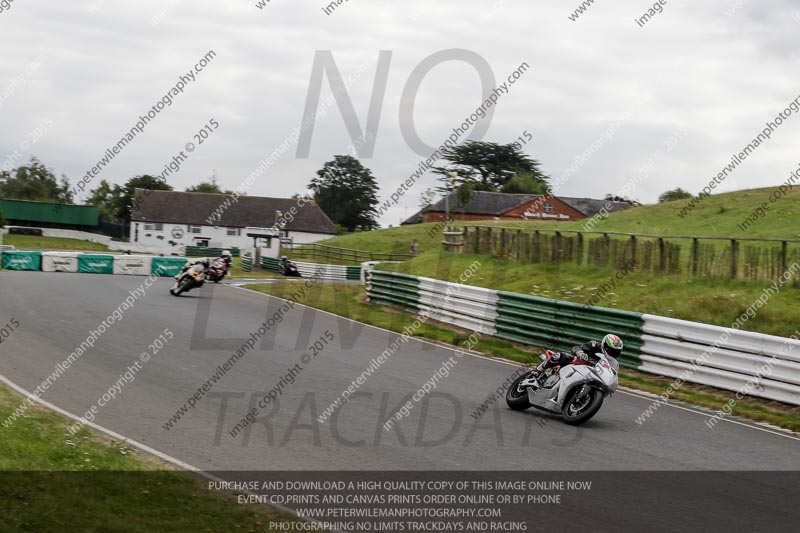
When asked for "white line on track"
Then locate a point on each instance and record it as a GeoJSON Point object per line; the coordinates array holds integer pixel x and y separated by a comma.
{"type": "Point", "coordinates": [110, 433]}
{"type": "Point", "coordinates": [136, 444]}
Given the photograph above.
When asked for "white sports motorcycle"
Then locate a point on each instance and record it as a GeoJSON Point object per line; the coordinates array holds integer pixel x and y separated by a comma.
{"type": "Point", "coordinates": [575, 391]}
{"type": "Point", "coordinates": [190, 277]}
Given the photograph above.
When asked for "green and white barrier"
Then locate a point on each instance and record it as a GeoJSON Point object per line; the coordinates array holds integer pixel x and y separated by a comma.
{"type": "Point", "coordinates": [465, 306]}
{"type": "Point", "coordinates": [93, 263]}
{"type": "Point", "coordinates": [60, 261]}
{"type": "Point", "coordinates": [17, 260]}
{"type": "Point", "coordinates": [247, 263]}
{"type": "Point", "coordinates": [751, 363]}
{"type": "Point", "coordinates": [133, 265]}
{"type": "Point", "coordinates": [96, 263]}
{"type": "Point", "coordinates": [318, 270]}
{"type": "Point", "coordinates": [756, 364]}
{"type": "Point", "coordinates": [167, 266]}
{"type": "Point", "coordinates": [561, 325]}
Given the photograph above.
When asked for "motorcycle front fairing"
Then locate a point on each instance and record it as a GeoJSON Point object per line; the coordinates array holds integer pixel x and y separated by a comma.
{"type": "Point", "coordinates": [195, 271]}
{"type": "Point", "coordinates": [603, 375]}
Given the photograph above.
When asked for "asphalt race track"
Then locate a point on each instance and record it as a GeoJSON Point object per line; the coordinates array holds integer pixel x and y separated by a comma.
{"type": "Point", "coordinates": [56, 312]}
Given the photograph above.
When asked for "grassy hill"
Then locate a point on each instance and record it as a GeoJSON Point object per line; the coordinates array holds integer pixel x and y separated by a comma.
{"type": "Point", "coordinates": [716, 216]}
{"type": "Point", "coordinates": [710, 300]}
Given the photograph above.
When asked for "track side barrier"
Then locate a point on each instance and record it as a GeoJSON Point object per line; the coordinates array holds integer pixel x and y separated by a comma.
{"type": "Point", "coordinates": [18, 260]}
{"type": "Point", "coordinates": [307, 270]}
{"type": "Point", "coordinates": [60, 261]}
{"type": "Point", "coordinates": [752, 363]}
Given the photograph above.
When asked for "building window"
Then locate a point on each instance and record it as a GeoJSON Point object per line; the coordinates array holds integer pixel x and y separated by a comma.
{"type": "Point", "coordinates": [153, 226]}
{"type": "Point", "coordinates": [234, 232]}
{"type": "Point", "coordinates": [195, 229]}
{"type": "Point", "coordinates": [547, 207]}
{"type": "Point", "coordinates": [284, 234]}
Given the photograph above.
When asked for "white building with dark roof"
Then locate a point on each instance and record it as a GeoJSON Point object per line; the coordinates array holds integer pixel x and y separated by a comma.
{"type": "Point", "coordinates": [166, 221]}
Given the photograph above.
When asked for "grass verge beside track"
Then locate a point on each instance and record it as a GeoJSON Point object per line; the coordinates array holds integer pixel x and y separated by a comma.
{"type": "Point", "coordinates": [349, 301]}
{"type": "Point", "coordinates": [51, 481]}
{"type": "Point", "coordinates": [33, 242]}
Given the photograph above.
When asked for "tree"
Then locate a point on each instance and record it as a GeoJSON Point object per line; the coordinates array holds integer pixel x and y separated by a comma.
{"type": "Point", "coordinates": [347, 192]}
{"type": "Point", "coordinates": [426, 198]}
{"type": "Point", "coordinates": [34, 182]}
{"type": "Point", "coordinates": [525, 183]}
{"type": "Point", "coordinates": [464, 194]}
{"type": "Point", "coordinates": [210, 186]}
{"type": "Point", "coordinates": [674, 194]}
{"type": "Point", "coordinates": [489, 165]}
{"type": "Point", "coordinates": [124, 199]}
{"type": "Point", "coordinates": [105, 197]}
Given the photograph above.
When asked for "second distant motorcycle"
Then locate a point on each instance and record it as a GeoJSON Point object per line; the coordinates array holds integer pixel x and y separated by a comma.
{"type": "Point", "coordinates": [288, 268]}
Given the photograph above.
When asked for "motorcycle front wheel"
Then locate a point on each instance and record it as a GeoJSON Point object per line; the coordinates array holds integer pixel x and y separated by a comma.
{"type": "Point", "coordinates": [578, 410]}
{"type": "Point", "coordinates": [516, 398]}
{"type": "Point", "coordinates": [183, 287]}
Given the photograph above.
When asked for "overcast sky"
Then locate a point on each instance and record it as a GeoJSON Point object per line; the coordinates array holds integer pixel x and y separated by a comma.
{"type": "Point", "coordinates": [716, 71]}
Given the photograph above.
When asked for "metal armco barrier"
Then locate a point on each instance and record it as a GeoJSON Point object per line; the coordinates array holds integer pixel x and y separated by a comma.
{"type": "Point", "coordinates": [561, 325]}
{"type": "Point", "coordinates": [755, 364]}
{"type": "Point", "coordinates": [465, 306]}
{"type": "Point", "coordinates": [247, 263]}
{"type": "Point", "coordinates": [308, 270]}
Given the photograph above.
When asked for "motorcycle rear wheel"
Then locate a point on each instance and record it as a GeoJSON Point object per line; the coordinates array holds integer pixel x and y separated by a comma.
{"type": "Point", "coordinates": [576, 411]}
{"type": "Point", "coordinates": [515, 398]}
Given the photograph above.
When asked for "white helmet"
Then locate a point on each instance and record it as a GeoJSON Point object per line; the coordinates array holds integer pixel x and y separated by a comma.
{"type": "Point", "coordinates": [225, 253]}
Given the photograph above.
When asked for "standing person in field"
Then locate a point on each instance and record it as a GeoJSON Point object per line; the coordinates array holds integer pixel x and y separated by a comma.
{"type": "Point", "coordinates": [413, 248]}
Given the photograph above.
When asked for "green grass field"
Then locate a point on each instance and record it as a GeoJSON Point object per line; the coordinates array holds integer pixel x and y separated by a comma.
{"type": "Point", "coordinates": [710, 300]}
{"type": "Point", "coordinates": [33, 242]}
{"type": "Point", "coordinates": [51, 481]}
{"type": "Point", "coordinates": [716, 216]}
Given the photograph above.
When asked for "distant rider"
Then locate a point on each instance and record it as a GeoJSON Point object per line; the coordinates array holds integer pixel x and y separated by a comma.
{"type": "Point", "coordinates": [201, 261]}
{"type": "Point", "coordinates": [611, 346]}
{"type": "Point", "coordinates": [225, 258]}
{"type": "Point", "coordinates": [284, 264]}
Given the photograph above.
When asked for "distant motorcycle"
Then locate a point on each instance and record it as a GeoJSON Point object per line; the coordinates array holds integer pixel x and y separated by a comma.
{"type": "Point", "coordinates": [191, 278]}
{"type": "Point", "coordinates": [575, 391]}
{"type": "Point", "coordinates": [217, 270]}
{"type": "Point", "coordinates": [290, 269]}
